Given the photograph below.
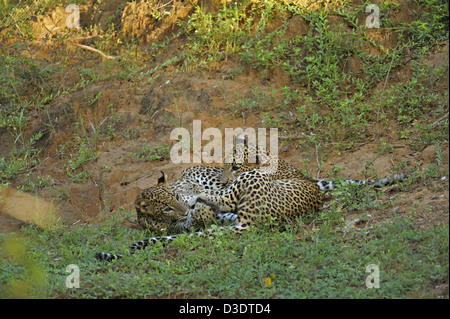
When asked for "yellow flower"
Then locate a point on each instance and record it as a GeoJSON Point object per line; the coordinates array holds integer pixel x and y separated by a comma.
{"type": "Point", "coordinates": [268, 282]}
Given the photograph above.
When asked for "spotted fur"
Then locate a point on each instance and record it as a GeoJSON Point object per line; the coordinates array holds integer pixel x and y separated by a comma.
{"type": "Point", "coordinates": [327, 185]}
{"type": "Point", "coordinates": [256, 198]}
{"type": "Point", "coordinates": [253, 198]}
{"type": "Point", "coordinates": [163, 208]}
{"type": "Point", "coordinates": [245, 157]}
{"type": "Point", "coordinates": [204, 195]}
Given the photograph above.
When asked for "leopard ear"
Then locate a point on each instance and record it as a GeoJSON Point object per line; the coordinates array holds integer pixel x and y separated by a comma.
{"type": "Point", "coordinates": [162, 180]}
{"type": "Point", "coordinates": [241, 138]}
{"type": "Point", "coordinates": [257, 162]}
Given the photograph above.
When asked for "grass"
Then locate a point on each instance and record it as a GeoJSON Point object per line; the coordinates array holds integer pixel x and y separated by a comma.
{"type": "Point", "coordinates": [322, 263]}
{"type": "Point", "coordinates": [159, 152]}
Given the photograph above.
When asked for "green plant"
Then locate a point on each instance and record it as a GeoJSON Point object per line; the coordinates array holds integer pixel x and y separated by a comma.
{"type": "Point", "coordinates": [266, 52]}
{"type": "Point", "coordinates": [155, 153]}
{"type": "Point", "coordinates": [20, 159]}
{"type": "Point", "coordinates": [84, 153]}
{"type": "Point", "coordinates": [216, 36]}
{"type": "Point", "coordinates": [432, 24]}
{"type": "Point", "coordinates": [257, 101]}
{"type": "Point", "coordinates": [432, 169]}
{"type": "Point", "coordinates": [333, 262]}
{"type": "Point", "coordinates": [386, 147]}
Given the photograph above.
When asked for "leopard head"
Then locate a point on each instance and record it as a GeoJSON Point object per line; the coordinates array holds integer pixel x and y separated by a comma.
{"type": "Point", "coordinates": [241, 159]}
{"type": "Point", "coordinates": [158, 207]}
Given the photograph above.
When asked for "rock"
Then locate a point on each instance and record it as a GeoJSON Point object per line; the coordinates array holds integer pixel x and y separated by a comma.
{"type": "Point", "coordinates": [429, 154]}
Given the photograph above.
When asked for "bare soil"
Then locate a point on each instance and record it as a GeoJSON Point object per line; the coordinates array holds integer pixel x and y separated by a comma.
{"type": "Point", "coordinates": [146, 114]}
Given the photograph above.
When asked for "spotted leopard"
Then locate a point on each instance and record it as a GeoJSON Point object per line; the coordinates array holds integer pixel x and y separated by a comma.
{"type": "Point", "coordinates": [253, 197]}
{"type": "Point", "coordinates": [245, 157]}
{"type": "Point", "coordinates": [164, 207]}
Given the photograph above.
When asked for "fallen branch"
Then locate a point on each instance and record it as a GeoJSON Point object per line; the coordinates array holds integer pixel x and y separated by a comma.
{"type": "Point", "coordinates": [439, 120]}
{"type": "Point", "coordinates": [83, 38]}
{"type": "Point", "coordinates": [86, 47]}
{"type": "Point", "coordinates": [288, 137]}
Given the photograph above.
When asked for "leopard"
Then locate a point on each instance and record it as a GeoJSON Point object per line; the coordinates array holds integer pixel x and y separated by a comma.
{"type": "Point", "coordinates": [202, 196]}
{"type": "Point", "coordinates": [252, 198]}
{"type": "Point", "coordinates": [197, 178]}
{"type": "Point", "coordinates": [164, 208]}
{"type": "Point", "coordinates": [245, 157]}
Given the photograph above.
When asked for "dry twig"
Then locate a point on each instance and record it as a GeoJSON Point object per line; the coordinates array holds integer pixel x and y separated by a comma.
{"type": "Point", "coordinates": [86, 47]}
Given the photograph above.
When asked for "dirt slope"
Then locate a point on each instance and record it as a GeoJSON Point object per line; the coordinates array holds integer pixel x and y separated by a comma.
{"type": "Point", "coordinates": [126, 116]}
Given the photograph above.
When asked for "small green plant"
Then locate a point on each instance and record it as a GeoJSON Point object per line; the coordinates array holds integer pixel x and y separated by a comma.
{"type": "Point", "coordinates": [155, 153]}
{"type": "Point", "coordinates": [266, 52]}
{"type": "Point", "coordinates": [84, 153]}
{"type": "Point", "coordinates": [386, 147]}
{"type": "Point", "coordinates": [256, 101]}
{"type": "Point", "coordinates": [335, 170]}
{"type": "Point", "coordinates": [432, 23]}
{"type": "Point", "coordinates": [432, 169]}
{"type": "Point", "coordinates": [20, 159]}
